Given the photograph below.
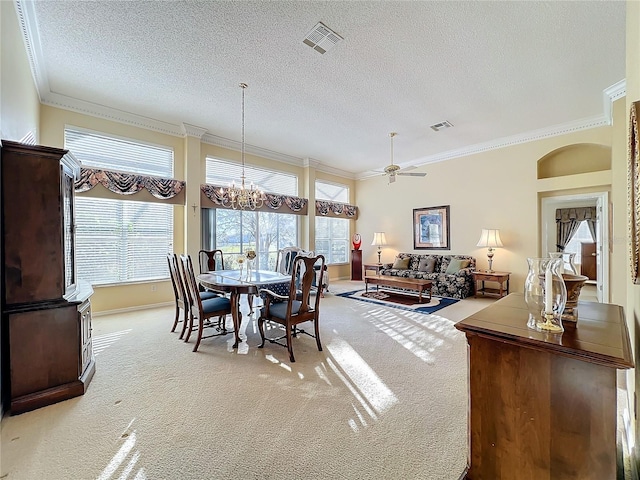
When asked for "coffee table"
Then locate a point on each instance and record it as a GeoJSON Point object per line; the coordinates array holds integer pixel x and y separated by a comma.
{"type": "Point", "coordinates": [416, 284]}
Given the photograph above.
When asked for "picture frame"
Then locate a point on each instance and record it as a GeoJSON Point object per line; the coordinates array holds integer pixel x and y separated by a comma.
{"type": "Point", "coordinates": [431, 228]}
{"type": "Point", "coordinates": [634, 192]}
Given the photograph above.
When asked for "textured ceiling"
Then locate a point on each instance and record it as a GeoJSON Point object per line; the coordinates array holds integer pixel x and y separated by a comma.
{"type": "Point", "coordinates": [495, 70]}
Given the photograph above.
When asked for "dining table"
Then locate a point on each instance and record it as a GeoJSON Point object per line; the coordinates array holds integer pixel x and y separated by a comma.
{"type": "Point", "coordinates": [239, 282]}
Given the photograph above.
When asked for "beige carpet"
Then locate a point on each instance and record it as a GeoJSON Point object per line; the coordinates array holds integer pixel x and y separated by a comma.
{"type": "Point", "coordinates": [386, 399]}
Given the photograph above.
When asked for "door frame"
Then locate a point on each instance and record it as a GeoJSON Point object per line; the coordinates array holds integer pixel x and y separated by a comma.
{"type": "Point", "coordinates": [601, 200]}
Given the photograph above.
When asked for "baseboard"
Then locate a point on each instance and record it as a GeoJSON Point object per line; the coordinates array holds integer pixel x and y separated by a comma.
{"type": "Point", "coordinates": [95, 314]}
{"type": "Point", "coordinates": [463, 476]}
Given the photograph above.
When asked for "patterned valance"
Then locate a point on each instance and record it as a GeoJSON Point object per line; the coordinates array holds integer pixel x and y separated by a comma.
{"type": "Point", "coordinates": [128, 183]}
{"type": "Point", "coordinates": [273, 201]}
{"type": "Point", "coordinates": [336, 209]}
{"type": "Point", "coordinates": [565, 215]}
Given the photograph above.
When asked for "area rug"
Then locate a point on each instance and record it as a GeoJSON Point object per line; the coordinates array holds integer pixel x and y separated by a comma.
{"type": "Point", "coordinates": [402, 301]}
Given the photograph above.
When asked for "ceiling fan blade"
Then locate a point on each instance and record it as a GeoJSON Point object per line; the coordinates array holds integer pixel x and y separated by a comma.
{"type": "Point", "coordinates": [411, 174]}
{"type": "Point", "coordinates": [406, 169]}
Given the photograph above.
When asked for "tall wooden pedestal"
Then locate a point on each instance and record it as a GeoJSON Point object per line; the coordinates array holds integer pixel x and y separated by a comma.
{"type": "Point", "coordinates": [356, 264]}
{"type": "Point", "coordinates": [543, 406]}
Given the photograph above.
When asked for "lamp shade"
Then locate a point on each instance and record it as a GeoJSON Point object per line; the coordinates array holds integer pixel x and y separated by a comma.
{"type": "Point", "coordinates": [379, 239]}
{"type": "Point", "coordinates": [489, 238]}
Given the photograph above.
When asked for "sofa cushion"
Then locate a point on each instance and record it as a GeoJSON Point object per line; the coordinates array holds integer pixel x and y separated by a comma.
{"type": "Point", "coordinates": [427, 265]}
{"type": "Point", "coordinates": [456, 264]}
{"type": "Point", "coordinates": [401, 263]}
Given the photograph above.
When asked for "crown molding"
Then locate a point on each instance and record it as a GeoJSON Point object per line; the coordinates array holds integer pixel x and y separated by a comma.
{"type": "Point", "coordinates": [610, 95]}
{"type": "Point", "coordinates": [31, 37]}
{"type": "Point", "coordinates": [189, 130]}
{"type": "Point", "coordinates": [532, 136]}
{"type": "Point", "coordinates": [108, 113]}
{"type": "Point", "coordinates": [310, 162]}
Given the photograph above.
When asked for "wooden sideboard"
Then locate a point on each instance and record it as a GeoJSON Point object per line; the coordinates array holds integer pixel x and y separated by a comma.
{"type": "Point", "coordinates": [543, 406]}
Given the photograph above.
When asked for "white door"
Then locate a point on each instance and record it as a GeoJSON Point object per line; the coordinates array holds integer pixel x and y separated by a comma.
{"type": "Point", "coordinates": [602, 242]}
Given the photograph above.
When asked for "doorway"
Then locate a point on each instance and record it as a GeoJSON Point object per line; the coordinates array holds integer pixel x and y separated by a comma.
{"type": "Point", "coordinates": [548, 241]}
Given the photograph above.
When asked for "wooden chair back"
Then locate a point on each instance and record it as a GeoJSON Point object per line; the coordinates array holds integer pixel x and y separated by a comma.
{"type": "Point", "coordinates": [210, 260]}
{"type": "Point", "coordinates": [191, 285]}
{"type": "Point", "coordinates": [297, 307]}
{"type": "Point", "coordinates": [213, 307]}
{"type": "Point", "coordinates": [182, 301]}
{"type": "Point", "coordinates": [303, 282]}
{"type": "Point", "coordinates": [284, 259]}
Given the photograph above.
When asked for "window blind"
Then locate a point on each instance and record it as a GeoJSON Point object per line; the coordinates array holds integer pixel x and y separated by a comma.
{"type": "Point", "coordinates": [223, 172]}
{"type": "Point", "coordinates": [97, 150]}
{"type": "Point", "coordinates": [332, 234]}
{"type": "Point", "coordinates": [120, 241]}
{"type": "Point", "coordinates": [332, 192]}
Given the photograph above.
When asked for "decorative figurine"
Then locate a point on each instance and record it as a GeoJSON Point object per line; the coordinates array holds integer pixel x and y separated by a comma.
{"type": "Point", "coordinates": [357, 241]}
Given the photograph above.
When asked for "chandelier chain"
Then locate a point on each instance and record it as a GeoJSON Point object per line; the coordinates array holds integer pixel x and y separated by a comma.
{"type": "Point", "coordinates": [242, 197]}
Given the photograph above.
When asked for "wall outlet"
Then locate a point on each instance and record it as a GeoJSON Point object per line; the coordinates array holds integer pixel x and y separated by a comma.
{"type": "Point", "coordinates": [154, 288]}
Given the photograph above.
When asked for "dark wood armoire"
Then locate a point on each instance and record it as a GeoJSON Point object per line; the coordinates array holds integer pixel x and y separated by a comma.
{"type": "Point", "coordinates": [47, 353]}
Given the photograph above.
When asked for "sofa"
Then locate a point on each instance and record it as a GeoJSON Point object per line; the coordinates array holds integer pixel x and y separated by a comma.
{"type": "Point", "coordinates": [451, 274]}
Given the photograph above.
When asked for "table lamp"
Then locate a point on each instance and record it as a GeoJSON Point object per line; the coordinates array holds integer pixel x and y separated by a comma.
{"type": "Point", "coordinates": [379, 240]}
{"type": "Point", "coordinates": [490, 238]}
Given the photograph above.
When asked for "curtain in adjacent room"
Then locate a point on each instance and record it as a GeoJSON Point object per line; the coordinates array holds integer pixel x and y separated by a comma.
{"type": "Point", "coordinates": [568, 220]}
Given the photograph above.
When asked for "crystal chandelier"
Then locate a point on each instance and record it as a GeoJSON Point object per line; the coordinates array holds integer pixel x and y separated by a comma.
{"type": "Point", "coordinates": [241, 197]}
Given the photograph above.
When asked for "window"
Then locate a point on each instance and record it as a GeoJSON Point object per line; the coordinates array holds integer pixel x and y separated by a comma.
{"type": "Point", "coordinates": [120, 241]}
{"type": "Point", "coordinates": [234, 231]}
{"type": "Point", "coordinates": [332, 234]}
{"type": "Point", "coordinates": [583, 234]}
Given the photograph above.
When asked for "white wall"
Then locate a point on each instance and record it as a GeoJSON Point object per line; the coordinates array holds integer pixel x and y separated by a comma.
{"type": "Point", "coordinates": [19, 101]}
{"type": "Point", "coordinates": [494, 189]}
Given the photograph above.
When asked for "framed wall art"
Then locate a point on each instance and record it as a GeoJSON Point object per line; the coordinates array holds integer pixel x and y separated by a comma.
{"type": "Point", "coordinates": [634, 192]}
{"type": "Point", "coordinates": [431, 228]}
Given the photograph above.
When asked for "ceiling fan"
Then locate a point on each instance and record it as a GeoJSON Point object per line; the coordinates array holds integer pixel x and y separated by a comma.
{"type": "Point", "coordinates": [392, 170]}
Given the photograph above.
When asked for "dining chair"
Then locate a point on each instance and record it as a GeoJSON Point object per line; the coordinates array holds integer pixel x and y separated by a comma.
{"type": "Point", "coordinates": [296, 307]}
{"type": "Point", "coordinates": [182, 303]}
{"type": "Point", "coordinates": [180, 293]}
{"type": "Point", "coordinates": [285, 258]}
{"type": "Point", "coordinates": [203, 310]}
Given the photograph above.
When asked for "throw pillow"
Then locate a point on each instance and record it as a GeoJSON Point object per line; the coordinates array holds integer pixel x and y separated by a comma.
{"type": "Point", "coordinates": [456, 264]}
{"type": "Point", "coordinates": [401, 263]}
{"type": "Point", "coordinates": [427, 265]}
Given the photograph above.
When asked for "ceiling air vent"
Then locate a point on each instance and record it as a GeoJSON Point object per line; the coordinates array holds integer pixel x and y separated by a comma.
{"type": "Point", "coordinates": [321, 38]}
{"type": "Point", "coordinates": [441, 126]}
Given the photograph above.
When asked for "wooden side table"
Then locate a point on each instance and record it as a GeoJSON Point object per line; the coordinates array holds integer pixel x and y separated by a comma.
{"type": "Point", "coordinates": [375, 267]}
{"type": "Point", "coordinates": [501, 278]}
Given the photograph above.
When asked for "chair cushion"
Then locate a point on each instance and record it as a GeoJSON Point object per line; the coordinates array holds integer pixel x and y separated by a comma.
{"type": "Point", "coordinates": [279, 310]}
{"type": "Point", "coordinates": [207, 295]}
{"type": "Point", "coordinates": [216, 304]}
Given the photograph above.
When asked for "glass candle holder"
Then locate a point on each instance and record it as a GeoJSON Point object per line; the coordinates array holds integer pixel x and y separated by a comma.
{"type": "Point", "coordinates": [568, 262]}
{"type": "Point", "coordinates": [545, 294]}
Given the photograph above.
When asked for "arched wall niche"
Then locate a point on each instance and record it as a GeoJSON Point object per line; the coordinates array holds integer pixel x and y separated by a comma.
{"type": "Point", "coordinates": [575, 159]}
